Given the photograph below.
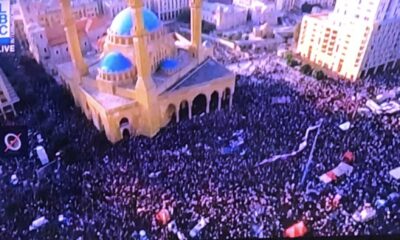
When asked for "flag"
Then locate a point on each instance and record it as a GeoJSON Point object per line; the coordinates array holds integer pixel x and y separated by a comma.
{"type": "Point", "coordinates": [297, 230]}
{"type": "Point", "coordinates": [163, 216]}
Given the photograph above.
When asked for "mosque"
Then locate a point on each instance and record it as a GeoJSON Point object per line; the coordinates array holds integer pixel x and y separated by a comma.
{"type": "Point", "coordinates": [144, 76]}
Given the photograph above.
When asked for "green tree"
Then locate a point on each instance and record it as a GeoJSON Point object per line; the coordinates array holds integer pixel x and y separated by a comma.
{"type": "Point", "coordinates": [289, 58]}
{"type": "Point", "coordinates": [306, 69]}
{"type": "Point", "coordinates": [294, 63]}
{"type": "Point", "coordinates": [320, 75]}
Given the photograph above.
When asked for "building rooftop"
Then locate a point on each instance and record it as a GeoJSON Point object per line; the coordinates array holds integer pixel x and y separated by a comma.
{"type": "Point", "coordinates": [56, 34]}
{"type": "Point", "coordinates": [321, 16]}
{"type": "Point", "coordinates": [7, 89]}
{"type": "Point", "coordinates": [209, 70]}
{"type": "Point", "coordinates": [107, 101]}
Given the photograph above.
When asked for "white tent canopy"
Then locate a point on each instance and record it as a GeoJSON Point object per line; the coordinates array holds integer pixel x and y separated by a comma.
{"type": "Point", "coordinates": [44, 159]}
{"type": "Point", "coordinates": [395, 173]}
{"type": "Point", "coordinates": [343, 169]}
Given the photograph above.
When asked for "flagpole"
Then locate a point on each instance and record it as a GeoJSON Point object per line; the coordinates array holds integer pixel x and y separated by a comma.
{"type": "Point", "coordinates": [306, 169]}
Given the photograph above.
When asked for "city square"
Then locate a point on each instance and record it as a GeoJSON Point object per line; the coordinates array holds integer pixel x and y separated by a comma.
{"type": "Point", "coordinates": [248, 165]}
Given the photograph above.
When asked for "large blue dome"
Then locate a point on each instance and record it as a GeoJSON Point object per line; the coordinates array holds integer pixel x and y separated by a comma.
{"type": "Point", "coordinates": [124, 21]}
{"type": "Point", "coordinates": [115, 62]}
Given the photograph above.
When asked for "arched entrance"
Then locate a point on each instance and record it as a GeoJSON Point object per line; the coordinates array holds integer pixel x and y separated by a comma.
{"type": "Point", "coordinates": [226, 98]}
{"type": "Point", "coordinates": [171, 113]}
{"type": "Point", "coordinates": [184, 110]}
{"type": "Point", "coordinates": [214, 101]}
{"type": "Point", "coordinates": [199, 104]}
{"type": "Point", "coordinates": [124, 128]}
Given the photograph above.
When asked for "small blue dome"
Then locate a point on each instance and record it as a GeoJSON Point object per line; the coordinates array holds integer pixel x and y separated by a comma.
{"type": "Point", "coordinates": [169, 64]}
{"type": "Point", "coordinates": [124, 22]}
{"type": "Point", "coordinates": [115, 62]}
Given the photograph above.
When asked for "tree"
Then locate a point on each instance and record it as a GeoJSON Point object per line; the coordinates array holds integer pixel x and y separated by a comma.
{"type": "Point", "coordinates": [294, 63]}
{"type": "Point", "coordinates": [306, 69]}
{"type": "Point", "coordinates": [306, 7]}
{"type": "Point", "coordinates": [320, 75]}
{"type": "Point", "coordinates": [289, 58]}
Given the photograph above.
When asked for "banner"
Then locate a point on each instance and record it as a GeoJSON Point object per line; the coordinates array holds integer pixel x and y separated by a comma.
{"type": "Point", "coordinates": [301, 147]}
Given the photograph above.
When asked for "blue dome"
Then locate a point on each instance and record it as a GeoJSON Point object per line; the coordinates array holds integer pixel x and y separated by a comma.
{"type": "Point", "coordinates": [169, 64]}
{"type": "Point", "coordinates": [124, 21]}
{"type": "Point", "coordinates": [115, 62]}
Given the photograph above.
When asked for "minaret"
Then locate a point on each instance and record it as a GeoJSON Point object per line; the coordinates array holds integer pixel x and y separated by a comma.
{"type": "Point", "coordinates": [142, 62]}
{"type": "Point", "coordinates": [72, 38]}
{"type": "Point", "coordinates": [195, 25]}
{"type": "Point", "coordinates": [146, 92]}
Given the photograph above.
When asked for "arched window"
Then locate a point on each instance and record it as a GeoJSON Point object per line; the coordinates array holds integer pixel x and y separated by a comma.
{"type": "Point", "coordinates": [184, 110]}
{"type": "Point", "coordinates": [214, 101]}
{"type": "Point", "coordinates": [225, 97]}
{"type": "Point", "coordinates": [124, 128]}
{"type": "Point", "coordinates": [171, 112]}
{"type": "Point", "coordinates": [199, 104]}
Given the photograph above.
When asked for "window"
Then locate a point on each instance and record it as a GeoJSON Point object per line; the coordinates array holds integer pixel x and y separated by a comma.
{"type": "Point", "coordinates": [45, 50]}
{"type": "Point", "coordinates": [57, 52]}
{"type": "Point", "coordinates": [41, 36]}
{"type": "Point", "coordinates": [66, 49]}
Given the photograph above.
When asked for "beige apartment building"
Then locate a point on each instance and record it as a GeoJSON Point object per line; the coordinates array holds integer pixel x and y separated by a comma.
{"type": "Point", "coordinates": [287, 5]}
{"type": "Point", "coordinates": [224, 16]}
{"type": "Point", "coordinates": [357, 39]}
{"type": "Point", "coordinates": [165, 10]}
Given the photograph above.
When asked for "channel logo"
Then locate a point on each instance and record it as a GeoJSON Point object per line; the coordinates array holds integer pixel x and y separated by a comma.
{"type": "Point", "coordinates": [6, 33]}
{"type": "Point", "coordinates": [13, 141]}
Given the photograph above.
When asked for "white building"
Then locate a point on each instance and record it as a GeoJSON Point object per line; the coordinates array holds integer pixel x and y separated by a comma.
{"type": "Point", "coordinates": [224, 16]}
{"type": "Point", "coordinates": [287, 5]}
{"type": "Point", "coordinates": [356, 39]}
{"type": "Point", "coordinates": [166, 10]}
{"type": "Point", "coordinates": [259, 11]}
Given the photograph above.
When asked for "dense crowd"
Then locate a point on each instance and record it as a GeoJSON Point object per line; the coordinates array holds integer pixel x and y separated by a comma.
{"type": "Point", "coordinates": [113, 192]}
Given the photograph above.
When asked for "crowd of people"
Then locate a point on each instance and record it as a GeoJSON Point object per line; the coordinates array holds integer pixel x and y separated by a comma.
{"type": "Point", "coordinates": [106, 191]}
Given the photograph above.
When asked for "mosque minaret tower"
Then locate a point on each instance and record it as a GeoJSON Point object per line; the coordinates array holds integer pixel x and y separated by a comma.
{"type": "Point", "coordinates": [73, 38]}
{"type": "Point", "coordinates": [195, 22]}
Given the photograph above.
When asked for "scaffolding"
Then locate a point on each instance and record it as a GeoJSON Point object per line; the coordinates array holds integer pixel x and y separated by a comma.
{"type": "Point", "coordinates": [8, 96]}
